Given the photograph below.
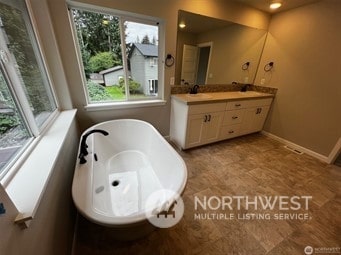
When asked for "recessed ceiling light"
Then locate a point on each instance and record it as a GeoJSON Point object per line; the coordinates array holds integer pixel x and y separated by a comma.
{"type": "Point", "coordinates": [275, 4]}
{"type": "Point", "coordinates": [182, 24]}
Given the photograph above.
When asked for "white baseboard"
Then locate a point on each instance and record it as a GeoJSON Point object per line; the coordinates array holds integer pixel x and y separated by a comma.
{"type": "Point", "coordinates": [298, 147]}
{"type": "Point", "coordinates": [335, 152]}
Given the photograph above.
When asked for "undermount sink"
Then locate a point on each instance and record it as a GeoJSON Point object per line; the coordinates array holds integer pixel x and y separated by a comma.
{"type": "Point", "coordinates": [199, 96]}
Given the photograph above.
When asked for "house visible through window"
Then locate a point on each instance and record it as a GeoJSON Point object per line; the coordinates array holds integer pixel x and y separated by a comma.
{"type": "Point", "coordinates": [26, 98]}
{"type": "Point", "coordinates": [119, 55]}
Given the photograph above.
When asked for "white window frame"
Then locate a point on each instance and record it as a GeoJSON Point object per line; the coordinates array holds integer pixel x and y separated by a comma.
{"type": "Point", "coordinates": [10, 75]}
{"type": "Point", "coordinates": [123, 16]}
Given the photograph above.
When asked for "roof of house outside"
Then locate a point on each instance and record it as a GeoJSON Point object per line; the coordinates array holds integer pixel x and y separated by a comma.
{"type": "Point", "coordinates": [112, 69]}
{"type": "Point", "coordinates": [147, 50]}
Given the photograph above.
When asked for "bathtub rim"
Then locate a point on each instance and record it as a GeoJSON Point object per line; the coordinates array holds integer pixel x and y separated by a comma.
{"type": "Point", "coordinates": [86, 207]}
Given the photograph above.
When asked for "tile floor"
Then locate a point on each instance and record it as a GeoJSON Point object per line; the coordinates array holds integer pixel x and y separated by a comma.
{"type": "Point", "coordinates": [251, 165]}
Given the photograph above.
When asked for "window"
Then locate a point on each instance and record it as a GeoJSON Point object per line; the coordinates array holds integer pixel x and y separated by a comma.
{"type": "Point", "coordinates": [153, 61]}
{"type": "Point", "coordinates": [153, 86]}
{"type": "Point", "coordinates": [26, 98]}
{"type": "Point", "coordinates": [118, 45]}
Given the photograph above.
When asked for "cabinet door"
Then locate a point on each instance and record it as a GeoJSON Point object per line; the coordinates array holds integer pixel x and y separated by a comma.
{"type": "Point", "coordinates": [203, 128]}
{"type": "Point", "coordinates": [212, 127]}
{"type": "Point", "coordinates": [249, 117]}
{"type": "Point", "coordinates": [194, 130]}
{"type": "Point", "coordinates": [253, 120]}
{"type": "Point", "coordinates": [260, 117]}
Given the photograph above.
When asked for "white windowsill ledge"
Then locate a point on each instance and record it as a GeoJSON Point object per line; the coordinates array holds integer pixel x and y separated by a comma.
{"type": "Point", "coordinates": [124, 105]}
{"type": "Point", "coordinates": [28, 185]}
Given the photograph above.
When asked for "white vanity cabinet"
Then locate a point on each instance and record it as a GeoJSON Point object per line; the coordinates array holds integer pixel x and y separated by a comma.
{"type": "Point", "coordinates": [202, 123]}
{"type": "Point", "coordinates": [194, 125]}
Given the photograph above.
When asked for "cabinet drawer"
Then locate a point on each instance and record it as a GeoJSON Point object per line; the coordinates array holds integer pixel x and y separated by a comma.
{"type": "Point", "coordinates": [234, 105]}
{"type": "Point", "coordinates": [248, 103]}
{"type": "Point", "coordinates": [206, 108]}
{"type": "Point", "coordinates": [229, 131]}
{"type": "Point", "coordinates": [233, 117]}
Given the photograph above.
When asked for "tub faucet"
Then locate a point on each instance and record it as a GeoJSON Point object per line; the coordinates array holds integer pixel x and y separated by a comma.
{"type": "Point", "coordinates": [194, 89]}
{"type": "Point", "coordinates": [83, 150]}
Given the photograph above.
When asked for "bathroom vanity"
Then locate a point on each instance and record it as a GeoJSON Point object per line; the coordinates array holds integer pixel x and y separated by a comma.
{"type": "Point", "coordinates": [203, 118]}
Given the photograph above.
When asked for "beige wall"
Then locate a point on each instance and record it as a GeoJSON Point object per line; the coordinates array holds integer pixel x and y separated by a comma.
{"type": "Point", "coordinates": [165, 9]}
{"type": "Point", "coordinates": [51, 231]}
{"type": "Point", "coordinates": [304, 45]}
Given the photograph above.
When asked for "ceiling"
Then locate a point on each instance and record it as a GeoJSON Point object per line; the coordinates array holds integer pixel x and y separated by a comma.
{"type": "Point", "coordinates": [263, 5]}
{"type": "Point", "coordinates": [196, 23]}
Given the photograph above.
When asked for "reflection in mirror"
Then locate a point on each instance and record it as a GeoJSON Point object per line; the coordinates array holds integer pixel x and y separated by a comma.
{"type": "Point", "coordinates": [213, 51]}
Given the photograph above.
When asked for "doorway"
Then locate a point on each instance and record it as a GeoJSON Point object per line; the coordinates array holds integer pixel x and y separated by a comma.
{"type": "Point", "coordinates": [195, 63]}
{"type": "Point", "coordinates": [204, 57]}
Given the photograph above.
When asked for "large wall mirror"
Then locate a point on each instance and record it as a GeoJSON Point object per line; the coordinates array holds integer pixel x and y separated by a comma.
{"type": "Point", "coordinates": [213, 51]}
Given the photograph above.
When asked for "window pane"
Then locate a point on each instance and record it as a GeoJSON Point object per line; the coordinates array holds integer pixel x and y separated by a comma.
{"type": "Point", "coordinates": [100, 45]}
{"type": "Point", "coordinates": [116, 72]}
{"type": "Point", "coordinates": [142, 56]}
{"type": "Point", "coordinates": [13, 132]}
{"type": "Point", "coordinates": [20, 42]}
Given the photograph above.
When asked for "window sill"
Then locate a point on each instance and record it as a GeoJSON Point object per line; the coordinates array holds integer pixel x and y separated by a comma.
{"type": "Point", "coordinates": [27, 187]}
{"type": "Point", "coordinates": [124, 105]}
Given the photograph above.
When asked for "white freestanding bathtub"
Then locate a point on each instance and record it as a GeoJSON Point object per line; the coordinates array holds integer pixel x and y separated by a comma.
{"type": "Point", "coordinates": [122, 169]}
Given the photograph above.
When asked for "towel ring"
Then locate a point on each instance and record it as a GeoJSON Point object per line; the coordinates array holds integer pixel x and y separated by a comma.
{"type": "Point", "coordinates": [268, 66]}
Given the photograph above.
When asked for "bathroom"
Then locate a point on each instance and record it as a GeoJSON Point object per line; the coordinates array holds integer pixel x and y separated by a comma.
{"type": "Point", "coordinates": [303, 43]}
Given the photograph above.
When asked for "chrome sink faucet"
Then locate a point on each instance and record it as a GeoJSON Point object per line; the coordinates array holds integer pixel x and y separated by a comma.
{"type": "Point", "coordinates": [83, 149]}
